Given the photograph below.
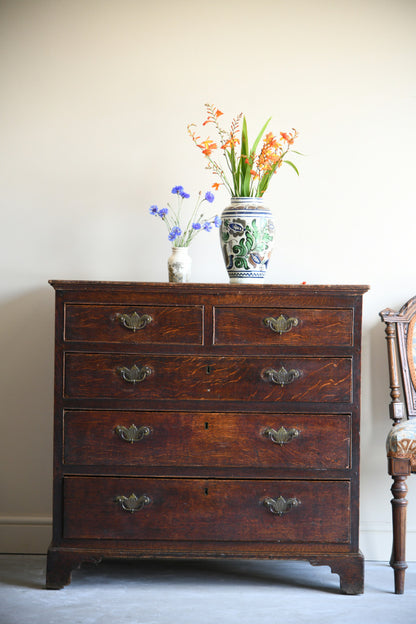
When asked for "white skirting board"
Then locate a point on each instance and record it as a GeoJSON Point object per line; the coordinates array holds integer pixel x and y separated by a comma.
{"type": "Point", "coordinates": [33, 534]}
{"type": "Point", "coordinates": [25, 534]}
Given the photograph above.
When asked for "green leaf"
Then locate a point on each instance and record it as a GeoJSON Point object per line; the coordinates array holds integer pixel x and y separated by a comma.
{"type": "Point", "coordinates": [244, 155]}
{"type": "Point", "coordinates": [246, 179]}
{"type": "Point", "coordinates": [292, 165]}
{"type": "Point", "coordinates": [257, 141]}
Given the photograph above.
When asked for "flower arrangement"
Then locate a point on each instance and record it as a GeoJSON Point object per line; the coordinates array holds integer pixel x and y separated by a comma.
{"type": "Point", "coordinates": [251, 170]}
{"type": "Point", "coordinates": [183, 236]}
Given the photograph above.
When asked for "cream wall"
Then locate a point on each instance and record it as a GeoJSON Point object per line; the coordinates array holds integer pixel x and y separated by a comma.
{"type": "Point", "coordinates": [95, 99]}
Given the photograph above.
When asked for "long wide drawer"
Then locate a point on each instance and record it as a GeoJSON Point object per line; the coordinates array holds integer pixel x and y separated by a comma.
{"type": "Point", "coordinates": [111, 438]}
{"type": "Point", "coordinates": [206, 509]}
{"type": "Point", "coordinates": [283, 326]}
{"type": "Point", "coordinates": [141, 324]}
{"type": "Point", "coordinates": [265, 378]}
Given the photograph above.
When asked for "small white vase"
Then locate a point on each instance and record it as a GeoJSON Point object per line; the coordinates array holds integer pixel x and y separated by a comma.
{"type": "Point", "coordinates": [179, 265]}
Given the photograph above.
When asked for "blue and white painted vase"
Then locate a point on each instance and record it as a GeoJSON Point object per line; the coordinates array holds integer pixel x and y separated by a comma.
{"type": "Point", "coordinates": [247, 239]}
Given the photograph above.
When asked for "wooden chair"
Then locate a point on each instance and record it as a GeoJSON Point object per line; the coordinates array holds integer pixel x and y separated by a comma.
{"type": "Point", "coordinates": [401, 440]}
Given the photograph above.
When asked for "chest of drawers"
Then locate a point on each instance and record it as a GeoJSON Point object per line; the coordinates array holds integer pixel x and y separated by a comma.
{"type": "Point", "coordinates": [203, 420]}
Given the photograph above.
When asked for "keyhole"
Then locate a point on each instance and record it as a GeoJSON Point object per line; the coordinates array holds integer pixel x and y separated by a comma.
{"type": "Point", "coordinates": [208, 369]}
{"type": "Point", "coordinates": [206, 491]}
{"type": "Point", "coordinates": [206, 425]}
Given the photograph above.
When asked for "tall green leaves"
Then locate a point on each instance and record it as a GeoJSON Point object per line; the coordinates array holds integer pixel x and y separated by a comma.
{"type": "Point", "coordinates": [245, 187]}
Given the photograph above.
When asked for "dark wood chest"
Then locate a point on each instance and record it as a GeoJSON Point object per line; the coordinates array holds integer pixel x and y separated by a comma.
{"type": "Point", "coordinates": [204, 420]}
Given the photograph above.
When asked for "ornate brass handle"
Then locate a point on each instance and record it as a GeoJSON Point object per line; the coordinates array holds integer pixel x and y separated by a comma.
{"type": "Point", "coordinates": [134, 321]}
{"type": "Point", "coordinates": [135, 374]}
{"type": "Point", "coordinates": [133, 434]}
{"type": "Point", "coordinates": [281, 436]}
{"type": "Point", "coordinates": [133, 503]}
{"type": "Point", "coordinates": [281, 324]}
{"type": "Point", "coordinates": [280, 505]}
{"type": "Point", "coordinates": [281, 376]}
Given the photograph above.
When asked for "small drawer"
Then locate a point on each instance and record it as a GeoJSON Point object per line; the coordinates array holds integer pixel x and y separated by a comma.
{"type": "Point", "coordinates": [113, 438]}
{"type": "Point", "coordinates": [275, 326]}
{"type": "Point", "coordinates": [147, 376]}
{"type": "Point", "coordinates": [141, 324]}
{"type": "Point", "coordinates": [206, 509]}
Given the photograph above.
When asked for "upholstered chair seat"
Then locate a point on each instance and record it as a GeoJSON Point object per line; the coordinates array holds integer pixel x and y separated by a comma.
{"type": "Point", "coordinates": [401, 442]}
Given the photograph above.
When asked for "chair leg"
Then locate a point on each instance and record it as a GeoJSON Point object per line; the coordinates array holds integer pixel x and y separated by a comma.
{"type": "Point", "coordinates": [398, 556]}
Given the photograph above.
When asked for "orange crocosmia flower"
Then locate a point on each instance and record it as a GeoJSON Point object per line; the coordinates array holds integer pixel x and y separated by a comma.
{"type": "Point", "coordinates": [216, 186]}
{"type": "Point", "coordinates": [231, 142]}
{"type": "Point", "coordinates": [207, 147]}
{"type": "Point", "coordinates": [289, 138]}
{"type": "Point", "coordinates": [211, 119]}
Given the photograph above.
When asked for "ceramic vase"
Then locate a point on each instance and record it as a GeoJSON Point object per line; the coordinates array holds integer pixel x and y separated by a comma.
{"type": "Point", "coordinates": [179, 265]}
{"type": "Point", "coordinates": [247, 239]}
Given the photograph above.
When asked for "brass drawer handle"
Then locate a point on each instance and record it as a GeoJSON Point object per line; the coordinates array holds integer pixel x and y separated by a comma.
{"type": "Point", "coordinates": [133, 503]}
{"type": "Point", "coordinates": [281, 376]}
{"type": "Point", "coordinates": [281, 436]}
{"type": "Point", "coordinates": [135, 374]}
{"type": "Point", "coordinates": [282, 324]}
{"type": "Point", "coordinates": [134, 321]}
{"type": "Point", "coordinates": [133, 434]}
{"type": "Point", "coordinates": [280, 505]}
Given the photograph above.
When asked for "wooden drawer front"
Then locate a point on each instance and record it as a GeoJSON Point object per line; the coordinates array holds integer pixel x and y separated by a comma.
{"type": "Point", "coordinates": [206, 509]}
{"type": "Point", "coordinates": [274, 326]}
{"type": "Point", "coordinates": [303, 441]}
{"type": "Point", "coordinates": [202, 378]}
{"type": "Point", "coordinates": [141, 324]}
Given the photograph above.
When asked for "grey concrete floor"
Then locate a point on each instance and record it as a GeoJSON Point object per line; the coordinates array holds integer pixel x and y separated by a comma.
{"type": "Point", "coordinates": [203, 592]}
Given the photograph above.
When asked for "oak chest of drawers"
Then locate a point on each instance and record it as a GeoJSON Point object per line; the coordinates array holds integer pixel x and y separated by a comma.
{"type": "Point", "coordinates": [203, 420]}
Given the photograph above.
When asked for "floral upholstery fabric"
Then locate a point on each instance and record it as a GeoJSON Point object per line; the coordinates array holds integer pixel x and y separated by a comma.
{"type": "Point", "coordinates": [401, 441]}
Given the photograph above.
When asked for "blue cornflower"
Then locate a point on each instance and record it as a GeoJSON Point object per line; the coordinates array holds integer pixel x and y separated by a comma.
{"type": "Point", "coordinates": [184, 195]}
{"type": "Point", "coordinates": [196, 226]}
{"type": "Point", "coordinates": [177, 190]}
{"type": "Point", "coordinates": [153, 210]}
{"type": "Point", "coordinates": [207, 226]}
{"type": "Point", "coordinates": [217, 221]}
{"type": "Point", "coordinates": [174, 233]}
{"type": "Point", "coordinates": [209, 196]}
{"type": "Point", "coordinates": [163, 212]}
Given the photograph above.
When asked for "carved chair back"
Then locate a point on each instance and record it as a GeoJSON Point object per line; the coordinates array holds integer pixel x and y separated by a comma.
{"type": "Point", "coordinates": [401, 333]}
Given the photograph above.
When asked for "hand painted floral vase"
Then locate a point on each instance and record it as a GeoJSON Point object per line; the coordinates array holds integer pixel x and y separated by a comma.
{"type": "Point", "coordinates": [247, 239]}
{"type": "Point", "coordinates": [179, 265]}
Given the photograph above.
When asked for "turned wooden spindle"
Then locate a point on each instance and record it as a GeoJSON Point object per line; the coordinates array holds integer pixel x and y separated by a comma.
{"type": "Point", "coordinates": [399, 508]}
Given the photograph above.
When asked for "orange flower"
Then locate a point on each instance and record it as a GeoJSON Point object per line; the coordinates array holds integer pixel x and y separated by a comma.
{"type": "Point", "coordinates": [207, 147]}
{"type": "Point", "coordinates": [214, 113]}
{"type": "Point", "coordinates": [232, 142]}
{"type": "Point", "coordinates": [216, 186]}
{"type": "Point", "coordinates": [289, 137]}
